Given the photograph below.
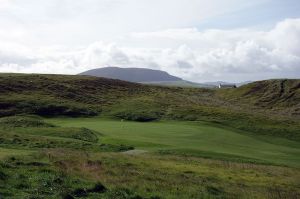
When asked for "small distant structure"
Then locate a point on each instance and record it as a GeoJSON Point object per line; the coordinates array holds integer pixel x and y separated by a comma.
{"type": "Point", "coordinates": [227, 86]}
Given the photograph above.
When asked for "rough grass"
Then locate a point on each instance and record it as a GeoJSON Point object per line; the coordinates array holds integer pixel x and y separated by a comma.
{"type": "Point", "coordinates": [46, 181]}
{"type": "Point", "coordinates": [83, 134]}
{"type": "Point", "coordinates": [268, 93]}
{"type": "Point", "coordinates": [72, 174]}
{"type": "Point", "coordinates": [186, 177]}
{"type": "Point", "coordinates": [21, 121]}
{"type": "Point", "coordinates": [56, 174]}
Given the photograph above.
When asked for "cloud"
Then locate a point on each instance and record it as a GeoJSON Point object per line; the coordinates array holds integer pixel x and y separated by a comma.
{"type": "Point", "coordinates": [231, 55]}
{"type": "Point", "coordinates": [77, 22]}
{"type": "Point", "coordinates": [5, 4]}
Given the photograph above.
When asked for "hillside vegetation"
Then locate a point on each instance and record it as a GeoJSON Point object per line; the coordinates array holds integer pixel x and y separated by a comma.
{"type": "Point", "coordinates": [270, 94]}
{"type": "Point", "coordinates": [267, 107]}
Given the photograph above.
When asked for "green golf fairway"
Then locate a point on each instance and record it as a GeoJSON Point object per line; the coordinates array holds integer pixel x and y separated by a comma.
{"type": "Point", "coordinates": [194, 138]}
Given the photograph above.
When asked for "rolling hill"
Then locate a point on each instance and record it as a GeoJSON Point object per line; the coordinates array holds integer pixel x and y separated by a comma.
{"type": "Point", "coordinates": [264, 107]}
{"type": "Point", "coordinates": [268, 93]}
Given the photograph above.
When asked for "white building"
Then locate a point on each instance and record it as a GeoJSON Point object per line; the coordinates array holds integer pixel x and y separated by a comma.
{"type": "Point", "coordinates": [227, 86]}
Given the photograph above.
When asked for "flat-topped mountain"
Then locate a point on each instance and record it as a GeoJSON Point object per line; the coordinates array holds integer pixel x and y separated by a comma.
{"type": "Point", "coordinates": [144, 76]}
{"type": "Point", "coordinates": [132, 74]}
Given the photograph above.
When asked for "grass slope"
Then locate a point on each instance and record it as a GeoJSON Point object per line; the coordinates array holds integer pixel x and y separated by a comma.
{"type": "Point", "coordinates": [268, 93]}
{"type": "Point", "coordinates": [192, 138]}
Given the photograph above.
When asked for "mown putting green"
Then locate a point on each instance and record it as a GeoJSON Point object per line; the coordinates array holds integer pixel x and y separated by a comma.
{"type": "Point", "coordinates": [191, 138]}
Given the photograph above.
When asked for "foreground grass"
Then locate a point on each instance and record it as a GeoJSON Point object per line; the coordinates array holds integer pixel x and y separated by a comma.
{"type": "Point", "coordinates": [178, 177]}
{"type": "Point", "coordinates": [62, 158]}
{"type": "Point", "coordinates": [192, 138]}
{"type": "Point", "coordinates": [59, 173]}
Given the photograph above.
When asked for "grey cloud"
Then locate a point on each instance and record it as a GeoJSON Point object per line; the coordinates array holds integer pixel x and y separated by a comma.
{"type": "Point", "coordinates": [184, 64]}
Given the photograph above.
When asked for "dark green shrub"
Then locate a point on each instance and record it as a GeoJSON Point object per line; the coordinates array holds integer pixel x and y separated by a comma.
{"type": "Point", "coordinates": [3, 176]}
{"type": "Point", "coordinates": [98, 188]}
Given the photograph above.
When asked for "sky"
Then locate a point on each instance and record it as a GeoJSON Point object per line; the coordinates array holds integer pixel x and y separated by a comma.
{"type": "Point", "coordinates": [198, 40]}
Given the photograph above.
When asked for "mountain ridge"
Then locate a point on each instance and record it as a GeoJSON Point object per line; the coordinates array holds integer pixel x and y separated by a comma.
{"type": "Point", "coordinates": [131, 74]}
{"type": "Point", "coordinates": [150, 76]}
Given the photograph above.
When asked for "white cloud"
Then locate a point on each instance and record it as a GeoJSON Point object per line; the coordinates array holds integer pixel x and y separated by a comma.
{"type": "Point", "coordinates": [77, 22]}
{"type": "Point", "coordinates": [4, 4]}
{"type": "Point", "coordinates": [232, 55]}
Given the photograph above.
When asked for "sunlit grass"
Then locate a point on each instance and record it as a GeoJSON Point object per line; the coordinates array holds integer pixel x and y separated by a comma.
{"type": "Point", "coordinates": [191, 138]}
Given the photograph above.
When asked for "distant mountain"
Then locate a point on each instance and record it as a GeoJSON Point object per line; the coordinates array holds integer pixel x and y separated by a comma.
{"type": "Point", "coordinates": [150, 76]}
{"type": "Point", "coordinates": [144, 76]}
{"type": "Point", "coordinates": [132, 74]}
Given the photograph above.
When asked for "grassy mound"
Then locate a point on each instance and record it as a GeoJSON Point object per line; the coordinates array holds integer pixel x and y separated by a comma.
{"type": "Point", "coordinates": [32, 133]}
{"type": "Point", "coordinates": [36, 126]}
{"type": "Point", "coordinates": [83, 134]}
{"type": "Point", "coordinates": [13, 140]}
{"type": "Point", "coordinates": [23, 121]}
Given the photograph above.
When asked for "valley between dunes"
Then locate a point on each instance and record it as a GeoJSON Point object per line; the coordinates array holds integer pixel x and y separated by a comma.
{"type": "Point", "coordinates": [86, 137]}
